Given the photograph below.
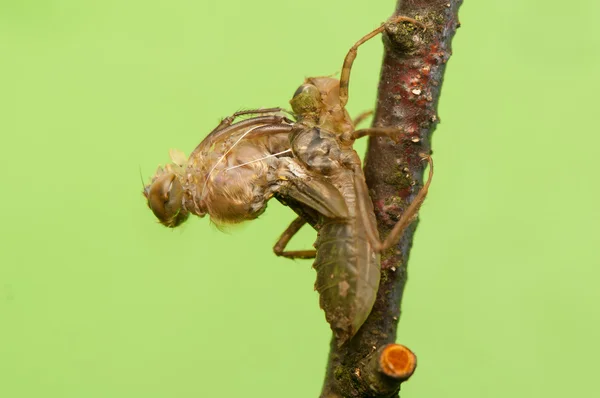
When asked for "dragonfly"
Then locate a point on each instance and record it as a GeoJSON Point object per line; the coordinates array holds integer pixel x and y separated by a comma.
{"type": "Point", "coordinates": [233, 172]}
{"type": "Point", "coordinates": [307, 162]}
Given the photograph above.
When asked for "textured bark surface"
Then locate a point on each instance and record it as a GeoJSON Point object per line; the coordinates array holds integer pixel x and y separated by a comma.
{"type": "Point", "coordinates": [409, 89]}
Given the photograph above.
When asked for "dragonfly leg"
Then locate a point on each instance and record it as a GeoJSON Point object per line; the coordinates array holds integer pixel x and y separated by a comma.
{"type": "Point", "coordinates": [351, 56]}
{"type": "Point", "coordinates": [226, 122]}
{"type": "Point", "coordinates": [285, 238]}
{"type": "Point", "coordinates": [362, 117]}
{"type": "Point", "coordinates": [410, 213]}
{"type": "Point", "coordinates": [406, 219]}
{"type": "Point", "coordinates": [391, 132]}
{"type": "Point", "coordinates": [256, 126]}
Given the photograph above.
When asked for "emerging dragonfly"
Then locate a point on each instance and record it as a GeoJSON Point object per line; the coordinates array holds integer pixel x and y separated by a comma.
{"type": "Point", "coordinates": [308, 163]}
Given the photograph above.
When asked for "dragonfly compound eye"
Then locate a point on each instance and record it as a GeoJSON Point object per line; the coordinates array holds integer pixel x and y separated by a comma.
{"type": "Point", "coordinates": [165, 199]}
{"type": "Point", "coordinates": [307, 100]}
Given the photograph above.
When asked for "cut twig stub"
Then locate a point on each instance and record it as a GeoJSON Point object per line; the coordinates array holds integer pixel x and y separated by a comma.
{"type": "Point", "coordinates": [397, 361]}
{"type": "Point", "coordinates": [384, 370]}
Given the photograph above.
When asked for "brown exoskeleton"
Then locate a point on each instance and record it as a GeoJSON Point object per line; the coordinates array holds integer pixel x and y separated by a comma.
{"type": "Point", "coordinates": [312, 164]}
{"type": "Point", "coordinates": [348, 245]}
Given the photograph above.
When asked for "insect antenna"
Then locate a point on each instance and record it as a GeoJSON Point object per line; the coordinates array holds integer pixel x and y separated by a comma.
{"type": "Point", "coordinates": [142, 180]}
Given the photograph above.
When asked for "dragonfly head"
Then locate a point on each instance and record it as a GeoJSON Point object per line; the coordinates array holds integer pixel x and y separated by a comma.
{"type": "Point", "coordinates": [329, 90]}
{"type": "Point", "coordinates": [307, 101]}
{"type": "Point", "coordinates": [165, 198]}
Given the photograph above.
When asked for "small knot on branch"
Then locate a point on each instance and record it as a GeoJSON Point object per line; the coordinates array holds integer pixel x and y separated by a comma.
{"type": "Point", "coordinates": [405, 36]}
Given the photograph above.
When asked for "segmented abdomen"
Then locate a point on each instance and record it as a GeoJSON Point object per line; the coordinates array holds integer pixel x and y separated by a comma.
{"type": "Point", "coordinates": [348, 275]}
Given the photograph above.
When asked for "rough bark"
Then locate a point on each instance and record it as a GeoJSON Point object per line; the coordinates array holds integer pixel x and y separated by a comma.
{"type": "Point", "coordinates": [409, 89]}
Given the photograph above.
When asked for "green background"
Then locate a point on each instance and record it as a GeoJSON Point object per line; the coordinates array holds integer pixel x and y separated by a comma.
{"type": "Point", "coordinates": [97, 300]}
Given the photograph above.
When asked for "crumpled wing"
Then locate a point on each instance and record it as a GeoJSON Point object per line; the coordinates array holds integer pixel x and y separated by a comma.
{"type": "Point", "coordinates": [311, 190]}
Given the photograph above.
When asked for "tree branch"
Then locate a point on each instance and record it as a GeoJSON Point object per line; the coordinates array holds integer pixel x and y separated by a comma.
{"type": "Point", "coordinates": [409, 89]}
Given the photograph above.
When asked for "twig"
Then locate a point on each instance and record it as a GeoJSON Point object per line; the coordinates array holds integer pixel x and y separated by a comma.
{"type": "Point", "coordinates": [409, 89]}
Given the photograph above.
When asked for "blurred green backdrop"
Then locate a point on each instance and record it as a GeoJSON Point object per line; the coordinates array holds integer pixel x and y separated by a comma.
{"type": "Point", "coordinates": [97, 300]}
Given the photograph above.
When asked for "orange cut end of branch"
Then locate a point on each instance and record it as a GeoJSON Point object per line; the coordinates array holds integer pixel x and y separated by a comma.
{"type": "Point", "coordinates": [397, 361]}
